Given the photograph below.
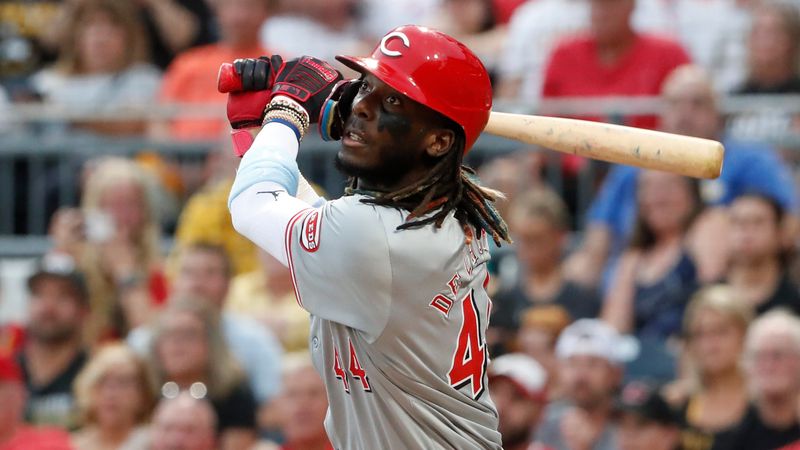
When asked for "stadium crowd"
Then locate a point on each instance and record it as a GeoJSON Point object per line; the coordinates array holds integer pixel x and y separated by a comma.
{"type": "Point", "coordinates": [667, 318]}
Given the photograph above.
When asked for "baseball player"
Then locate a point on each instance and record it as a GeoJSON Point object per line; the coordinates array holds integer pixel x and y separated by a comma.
{"type": "Point", "coordinates": [393, 273]}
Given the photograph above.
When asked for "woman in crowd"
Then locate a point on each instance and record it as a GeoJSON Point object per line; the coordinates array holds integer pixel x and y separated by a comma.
{"type": "Point", "coordinates": [101, 67]}
{"type": "Point", "coordinates": [713, 398]}
{"type": "Point", "coordinates": [114, 394]}
{"type": "Point", "coordinates": [759, 259]}
{"type": "Point", "coordinates": [122, 258]}
{"type": "Point", "coordinates": [658, 271]}
{"type": "Point", "coordinates": [115, 240]}
{"type": "Point", "coordinates": [188, 353]}
{"type": "Point", "coordinates": [773, 67]}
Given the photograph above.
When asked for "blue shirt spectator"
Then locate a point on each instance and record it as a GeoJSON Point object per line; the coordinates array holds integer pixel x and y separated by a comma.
{"type": "Point", "coordinates": [747, 167]}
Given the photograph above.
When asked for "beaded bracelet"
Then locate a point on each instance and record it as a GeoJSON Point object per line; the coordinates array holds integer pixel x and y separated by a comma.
{"type": "Point", "coordinates": [287, 111]}
{"type": "Point", "coordinates": [286, 118]}
{"type": "Point", "coordinates": [287, 103]}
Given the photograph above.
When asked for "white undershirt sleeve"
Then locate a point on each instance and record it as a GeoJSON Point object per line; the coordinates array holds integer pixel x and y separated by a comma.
{"type": "Point", "coordinates": [261, 201]}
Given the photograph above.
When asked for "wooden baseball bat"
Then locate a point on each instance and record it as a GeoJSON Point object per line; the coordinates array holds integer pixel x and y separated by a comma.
{"type": "Point", "coordinates": [684, 155]}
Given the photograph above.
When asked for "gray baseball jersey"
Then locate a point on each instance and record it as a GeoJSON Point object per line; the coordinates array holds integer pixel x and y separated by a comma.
{"type": "Point", "coordinates": [398, 327]}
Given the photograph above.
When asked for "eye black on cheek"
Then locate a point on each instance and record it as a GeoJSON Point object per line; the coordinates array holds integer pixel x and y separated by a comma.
{"type": "Point", "coordinates": [398, 125]}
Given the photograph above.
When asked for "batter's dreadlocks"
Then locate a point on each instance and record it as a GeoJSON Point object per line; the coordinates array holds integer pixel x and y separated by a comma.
{"type": "Point", "coordinates": [449, 186]}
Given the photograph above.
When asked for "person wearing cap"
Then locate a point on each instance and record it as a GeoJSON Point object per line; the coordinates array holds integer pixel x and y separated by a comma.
{"type": "Point", "coordinates": [14, 433]}
{"type": "Point", "coordinates": [53, 352]}
{"type": "Point", "coordinates": [644, 419]}
{"type": "Point", "coordinates": [518, 387]}
{"type": "Point", "coordinates": [591, 355]}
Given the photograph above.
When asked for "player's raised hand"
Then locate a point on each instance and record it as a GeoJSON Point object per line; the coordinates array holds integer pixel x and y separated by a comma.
{"type": "Point", "coordinates": [308, 81]}
{"type": "Point", "coordinates": [337, 108]}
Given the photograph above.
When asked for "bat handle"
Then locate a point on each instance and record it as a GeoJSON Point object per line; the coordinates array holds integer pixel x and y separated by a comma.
{"type": "Point", "coordinates": [227, 79]}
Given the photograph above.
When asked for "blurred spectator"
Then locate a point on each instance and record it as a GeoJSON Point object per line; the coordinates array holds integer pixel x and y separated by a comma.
{"type": "Point", "coordinates": [475, 23]}
{"type": "Point", "coordinates": [758, 258]}
{"type": "Point", "coordinates": [53, 351]}
{"type": "Point", "coordinates": [609, 60]}
{"type": "Point", "coordinates": [714, 398]}
{"type": "Point", "coordinates": [267, 295]}
{"type": "Point", "coordinates": [115, 239]}
{"type": "Point", "coordinates": [175, 25]}
{"type": "Point", "coordinates": [537, 26]}
{"type": "Point", "coordinates": [772, 364]}
{"type": "Point", "coordinates": [537, 337]}
{"type": "Point", "coordinates": [518, 387]}
{"type": "Point", "coordinates": [101, 67]}
{"type": "Point", "coordinates": [114, 393]}
{"type": "Point", "coordinates": [14, 434]}
{"type": "Point", "coordinates": [658, 272]}
{"type": "Point", "coordinates": [24, 43]}
{"type": "Point", "coordinates": [170, 26]}
{"type": "Point", "coordinates": [192, 76]}
{"type": "Point", "coordinates": [773, 68]}
{"type": "Point", "coordinates": [644, 419]}
{"type": "Point", "coordinates": [204, 275]}
{"type": "Point", "coordinates": [774, 49]}
{"type": "Point", "coordinates": [321, 28]}
{"type": "Point", "coordinates": [188, 354]}
{"type": "Point", "coordinates": [304, 404]}
{"type": "Point", "coordinates": [592, 355]}
{"type": "Point", "coordinates": [379, 16]}
{"type": "Point", "coordinates": [690, 108]}
{"type": "Point", "coordinates": [713, 32]}
{"type": "Point", "coordinates": [539, 223]}
{"type": "Point", "coordinates": [184, 423]}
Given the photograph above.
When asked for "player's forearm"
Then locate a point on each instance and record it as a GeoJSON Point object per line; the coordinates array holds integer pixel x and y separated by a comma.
{"type": "Point", "coordinates": [305, 191]}
{"type": "Point", "coordinates": [262, 199]}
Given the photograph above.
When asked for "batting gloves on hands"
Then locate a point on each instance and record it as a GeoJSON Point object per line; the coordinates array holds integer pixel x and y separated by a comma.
{"type": "Point", "coordinates": [306, 80]}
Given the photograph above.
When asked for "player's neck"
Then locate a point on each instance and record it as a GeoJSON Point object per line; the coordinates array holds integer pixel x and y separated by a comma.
{"type": "Point", "coordinates": [407, 179]}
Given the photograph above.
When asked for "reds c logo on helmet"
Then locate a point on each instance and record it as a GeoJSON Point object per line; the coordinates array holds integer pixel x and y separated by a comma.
{"type": "Point", "coordinates": [435, 70]}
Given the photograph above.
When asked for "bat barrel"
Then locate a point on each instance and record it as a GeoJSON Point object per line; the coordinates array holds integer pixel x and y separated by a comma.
{"type": "Point", "coordinates": [684, 155]}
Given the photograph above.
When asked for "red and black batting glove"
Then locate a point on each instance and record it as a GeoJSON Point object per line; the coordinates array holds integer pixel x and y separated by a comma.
{"type": "Point", "coordinates": [249, 96]}
{"type": "Point", "coordinates": [308, 81]}
{"type": "Point", "coordinates": [249, 89]}
{"type": "Point", "coordinates": [337, 108]}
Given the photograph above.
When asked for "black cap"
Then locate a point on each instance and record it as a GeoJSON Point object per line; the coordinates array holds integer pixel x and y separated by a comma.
{"type": "Point", "coordinates": [645, 400]}
{"type": "Point", "coordinates": [60, 267]}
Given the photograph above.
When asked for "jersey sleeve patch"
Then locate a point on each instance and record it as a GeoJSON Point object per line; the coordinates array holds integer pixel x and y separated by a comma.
{"type": "Point", "coordinates": [310, 231]}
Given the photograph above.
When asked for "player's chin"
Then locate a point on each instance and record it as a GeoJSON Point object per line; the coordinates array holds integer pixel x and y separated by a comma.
{"type": "Point", "coordinates": [349, 163]}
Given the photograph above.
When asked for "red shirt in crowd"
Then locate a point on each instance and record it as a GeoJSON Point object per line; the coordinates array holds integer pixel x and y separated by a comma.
{"type": "Point", "coordinates": [192, 78]}
{"type": "Point", "coordinates": [38, 438]}
{"type": "Point", "coordinates": [575, 70]}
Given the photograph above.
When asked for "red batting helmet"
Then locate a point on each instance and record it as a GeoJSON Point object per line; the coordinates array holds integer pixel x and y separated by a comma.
{"type": "Point", "coordinates": [435, 70]}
